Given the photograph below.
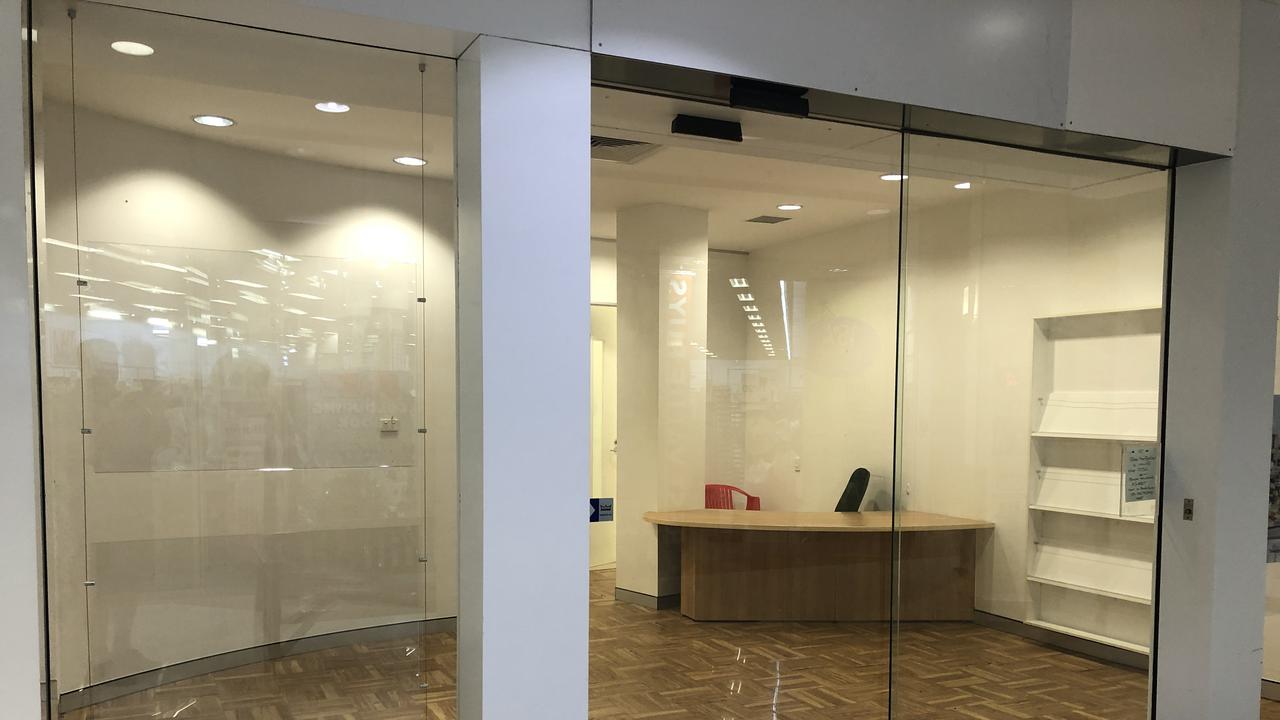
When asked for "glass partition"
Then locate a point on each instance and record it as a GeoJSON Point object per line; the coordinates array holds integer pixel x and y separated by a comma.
{"type": "Point", "coordinates": [246, 283]}
{"type": "Point", "coordinates": [1030, 370]}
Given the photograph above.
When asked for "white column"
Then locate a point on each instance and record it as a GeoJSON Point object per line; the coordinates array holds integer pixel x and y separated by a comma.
{"type": "Point", "coordinates": [524, 114]}
{"type": "Point", "coordinates": [662, 395]}
{"type": "Point", "coordinates": [1226, 264]}
{"type": "Point", "coordinates": [20, 654]}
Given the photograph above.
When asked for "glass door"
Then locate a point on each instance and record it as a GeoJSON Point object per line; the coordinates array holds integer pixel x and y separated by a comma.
{"type": "Point", "coordinates": [246, 281]}
{"type": "Point", "coordinates": [754, 259]}
{"type": "Point", "coordinates": [1030, 366]}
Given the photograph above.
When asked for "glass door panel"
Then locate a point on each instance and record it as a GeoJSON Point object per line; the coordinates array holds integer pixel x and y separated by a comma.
{"type": "Point", "coordinates": [247, 284]}
{"type": "Point", "coordinates": [1031, 326]}
{"type": "Point", "coordinates": [756, 287]}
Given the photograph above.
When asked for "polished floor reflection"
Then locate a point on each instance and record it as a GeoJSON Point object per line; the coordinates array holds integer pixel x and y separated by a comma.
{"type": "Point", "coordinates": [374, 681]}
{"type": "Point", "coordinates": [648, 664]}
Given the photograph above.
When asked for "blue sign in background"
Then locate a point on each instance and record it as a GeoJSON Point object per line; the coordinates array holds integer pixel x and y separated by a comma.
{"type": "Point", "coordinates": [601, 509]}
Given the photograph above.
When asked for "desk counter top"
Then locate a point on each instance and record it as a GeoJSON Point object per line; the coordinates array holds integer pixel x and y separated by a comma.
{"type": "Point", "coordinates": [875, 521]}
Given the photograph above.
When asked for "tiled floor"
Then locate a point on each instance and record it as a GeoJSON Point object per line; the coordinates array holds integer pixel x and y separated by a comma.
{"type": "Point", "coordinates": [648, 664]}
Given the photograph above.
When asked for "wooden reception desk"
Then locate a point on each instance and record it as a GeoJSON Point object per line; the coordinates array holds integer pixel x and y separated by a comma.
{"type": "Point", "coordinates": [766, 565]}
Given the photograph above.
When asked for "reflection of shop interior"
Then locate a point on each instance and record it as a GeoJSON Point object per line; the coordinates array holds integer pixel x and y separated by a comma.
{"type": "Point", "coordinates": [236, 361]}
{"type": "Point", "coordinates": [1031, 337]}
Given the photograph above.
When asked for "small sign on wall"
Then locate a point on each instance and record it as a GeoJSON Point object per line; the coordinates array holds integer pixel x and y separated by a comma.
{"type": "Point", "coordinates": [601, 509]}
{"type": "Point", "coordinates": [1140, 472]}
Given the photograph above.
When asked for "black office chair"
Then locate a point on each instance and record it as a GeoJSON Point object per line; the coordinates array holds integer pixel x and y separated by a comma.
{"type": "Point", "coordinates": [851, 499]}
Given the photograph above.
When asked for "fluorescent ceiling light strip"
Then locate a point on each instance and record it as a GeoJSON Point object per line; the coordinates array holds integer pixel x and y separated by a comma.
{"type": "Point", "coordinates": [786, 321]}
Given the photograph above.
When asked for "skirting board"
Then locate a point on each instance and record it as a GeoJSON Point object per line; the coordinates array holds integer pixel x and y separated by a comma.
{"type": "Point", "coordinates": [665, 602]}
{"type": "Point", "coordinates": [1270, 689]}
{"type": "Point", "coordinates": [120, 687]}
{"type": "Point", "coordinates": [1101, 651]}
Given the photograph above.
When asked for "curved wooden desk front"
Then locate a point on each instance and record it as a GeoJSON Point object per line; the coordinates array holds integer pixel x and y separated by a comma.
{"type": "Point", "coordinates": [769, 565]}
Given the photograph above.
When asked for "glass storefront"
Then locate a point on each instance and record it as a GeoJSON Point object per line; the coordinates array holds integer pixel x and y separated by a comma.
{"type": "Point", "coordinates": [873, 414]}
{"type": "Point", "coordinates": [873, 463]}
{"type": "Point", "coordinates": [246, 278]}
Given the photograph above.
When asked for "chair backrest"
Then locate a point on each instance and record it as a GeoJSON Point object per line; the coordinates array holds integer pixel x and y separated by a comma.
{"type": "Point", "coordinates": [854, 491]}
{"type": "Point", "coordinates": [720, 497]}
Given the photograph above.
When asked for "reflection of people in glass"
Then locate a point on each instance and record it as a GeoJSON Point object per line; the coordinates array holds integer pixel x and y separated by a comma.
{"type": "Point", "coordinates": [129, 420]}
{"type": "Point", "coordinates": [128, 425]}
{"type": "Point", "coordinates": [241, 427]}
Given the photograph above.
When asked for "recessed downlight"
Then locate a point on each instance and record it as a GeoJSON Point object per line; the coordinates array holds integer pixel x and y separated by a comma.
{"type": "Point", "coordinates": [790, 206]}
{"type": "Point", "coordinates": [893, 177]}
{"type": "Point", "coordinates": [963, 185]}
{"type": "Point", "coordinates": [410, 161]}
{"type": "Point", "coordinates": [213, 121]}
{"type": "Point", "coordinates": [332, 106]}
{"type": "Point", "coordinates": [136, 49]}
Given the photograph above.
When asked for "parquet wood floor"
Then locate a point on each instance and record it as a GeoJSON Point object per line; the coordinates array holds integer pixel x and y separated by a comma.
{"type": "Point", "coordinates": [657, 665]}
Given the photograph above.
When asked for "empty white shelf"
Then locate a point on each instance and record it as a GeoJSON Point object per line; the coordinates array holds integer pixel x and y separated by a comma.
{"type": "Point", "coordinates": [1090, 590]}
{"type": "Point", "coordinates": [1146, 519]}
{"type": "Point", "coordinates": [1086, 635]}
{"type": "Point", "coordinates": [1095, 436]}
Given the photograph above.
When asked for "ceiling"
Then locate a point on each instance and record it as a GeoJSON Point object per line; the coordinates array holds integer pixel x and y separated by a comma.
{"type": "Point", "coordinates": [832, 169]}
{"type": "Point", "coordinates": [267, 82]}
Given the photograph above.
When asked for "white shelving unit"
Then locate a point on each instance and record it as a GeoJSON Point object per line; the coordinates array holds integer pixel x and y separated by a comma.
{"type": "Point", "coordinates": [1095, 380]}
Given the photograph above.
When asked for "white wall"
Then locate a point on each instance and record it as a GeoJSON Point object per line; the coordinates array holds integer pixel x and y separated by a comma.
{"type": "Point", "coordinates": [1120, 68]}
{"type": "Point", "coordinates": [276, 555]}
{"type": "Point", "coordinates": [828, 409]}
{"type": "Point", "coordinates": [604, 272]}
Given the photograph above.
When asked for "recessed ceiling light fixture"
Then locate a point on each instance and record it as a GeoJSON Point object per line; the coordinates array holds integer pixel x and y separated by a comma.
{"type": "Point", "coordinates": [893, 177]}
{"type": "Point", "coordinates": [790, 206]}
{"type": "Point", "coordinates": [410, 161]}
{"type": "Point", "coordinates": [879, 211]}
{"type": "Point", "coordinates": [331, 106]}
{"type": "Point", "coordinates": [136, 49]}
{"type": "Point", "coordinates": [963, 185]}
{"type": "Point", "coordinates": [213, 121]}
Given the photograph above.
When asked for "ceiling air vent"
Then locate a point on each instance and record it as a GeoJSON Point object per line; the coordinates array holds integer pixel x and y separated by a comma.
{"type": "Point", "coordinates": [618, 150]}
{"type": "Point", "coordinates": [768, 219]}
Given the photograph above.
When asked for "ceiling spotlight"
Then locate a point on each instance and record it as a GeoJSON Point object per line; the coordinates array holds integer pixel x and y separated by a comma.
{"type": "Point", "coordinates": [213, 121]}
{"type": "Point", "coordinates": [136, 49]}
{"type": "Point", "coordinates": [963, 185]}
{"type": "Point", "coordinates": [790, 206]}
{"type": "Point", "coordinates": [332, 107]}
{"type": "Point", "coordinates": [410, 161]}
{"type": "Point", "coordinates": [893, 177]}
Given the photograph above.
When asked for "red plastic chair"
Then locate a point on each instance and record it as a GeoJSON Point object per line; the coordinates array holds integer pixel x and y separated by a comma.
{"type": "Point", "coordinates": [720, 497]}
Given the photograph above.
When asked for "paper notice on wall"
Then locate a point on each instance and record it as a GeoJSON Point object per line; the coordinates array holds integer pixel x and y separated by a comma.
{"type": "Point", "coordinates": [1140, 472]}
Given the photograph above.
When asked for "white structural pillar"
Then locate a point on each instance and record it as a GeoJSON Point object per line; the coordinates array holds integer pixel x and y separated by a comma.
{"type": "Point", "coordinates": [1222, 311]}
{"type": "Point", "coordinates": [524, 115]}
{"type": "Point", "coordinates": [19, 565]}
{"type": "Point", "coordinates": [662, 394]}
